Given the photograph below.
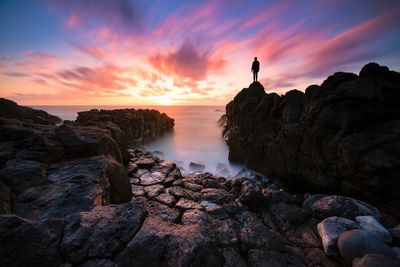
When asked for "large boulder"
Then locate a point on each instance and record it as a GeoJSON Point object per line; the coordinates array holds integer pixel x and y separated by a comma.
{"type": "Point", "coordinates": [357, 243]}
{"type": "Point", "coordinates": [342, 136]}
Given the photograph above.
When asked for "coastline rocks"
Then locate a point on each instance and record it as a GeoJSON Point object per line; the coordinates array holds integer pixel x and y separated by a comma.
{"type": "Point", "coordinates": [329, 231]}
{"type": "Point", "coordinates": [10, 109]}
{"type": "Point", "coordinates": [342, 206]}
{"type": "Point", "coordinates": [357, 243]}
{"type": "Point", "coordinates": [341, 137]}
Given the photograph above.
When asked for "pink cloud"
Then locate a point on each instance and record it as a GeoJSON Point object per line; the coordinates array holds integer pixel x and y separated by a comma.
{"type": "Point", "coordinates": [187, 62]}
{"type": "Point", "coordinates": [73, 21]}
{"type": "Point", "coordinates": [91, 50]}
{"type": "Point", "coordinates": [41, 56]}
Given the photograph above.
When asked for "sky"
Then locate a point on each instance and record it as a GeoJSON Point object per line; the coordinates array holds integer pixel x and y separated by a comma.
{"type": "Point", "coordinates": [141, 52]}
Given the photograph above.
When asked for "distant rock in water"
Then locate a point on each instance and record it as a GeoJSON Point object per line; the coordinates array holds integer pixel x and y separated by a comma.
{"type": "Point", "coordinates": [342, 136]}
{"type": "Point", "coordinates": [143, 125]}
{"type": "Point", "coordinates": [10, 109]}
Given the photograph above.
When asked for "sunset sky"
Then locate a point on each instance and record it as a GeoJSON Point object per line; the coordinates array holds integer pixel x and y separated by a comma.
{"type": "Point", "coordinates": [184, 52]}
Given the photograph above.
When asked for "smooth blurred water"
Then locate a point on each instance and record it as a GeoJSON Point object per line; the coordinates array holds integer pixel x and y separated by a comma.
{"type": "Point", "coordinates": [196, 136]}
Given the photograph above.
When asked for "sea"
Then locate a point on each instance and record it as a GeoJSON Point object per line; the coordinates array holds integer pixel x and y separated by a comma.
{"type": "Point", "coordinates": [196, 136]}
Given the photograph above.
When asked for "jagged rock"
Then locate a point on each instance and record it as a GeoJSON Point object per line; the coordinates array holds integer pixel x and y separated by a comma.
{"type": "Point", "coordinates": [250, 194]}
{"type": "Point", "coordinates": [370, 224]}
{"type": "Point", "coordinates": [162, 244]}
{"type": "Point", "coordinates": [75, 185]}
{"type": "Point", "coordinates": [30, 243]}
{"type": "Point", "coordinates": [10, 109]}
{"type": "Point", "coordinates": [357, 243]}
{"type": "Point", "coordinates": [145, 163]}
{"type": "Point", "coordinates": [375, 260]}
{"type": "Point", "coordinates": [329, 231]}
{"type": "Point", "coordinates": [343, 207]}
{"type": "Point", "coordinates": [101, 232]}
{"type": "Point", "coordinates": [142, 125]}
{"type": "Point", "coordinates": [342, 136]}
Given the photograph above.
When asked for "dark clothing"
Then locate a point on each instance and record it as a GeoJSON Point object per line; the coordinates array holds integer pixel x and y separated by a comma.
{"type": "Point", "coordinates": [255, 67]}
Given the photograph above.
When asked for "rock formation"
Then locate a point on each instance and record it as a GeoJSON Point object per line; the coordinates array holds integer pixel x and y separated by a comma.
{"type": "Point", "coordinates": [342, 136]}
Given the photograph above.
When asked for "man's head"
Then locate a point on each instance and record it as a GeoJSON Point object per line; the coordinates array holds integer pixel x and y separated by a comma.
{"type": "Point", "coordinates": [255, 58]}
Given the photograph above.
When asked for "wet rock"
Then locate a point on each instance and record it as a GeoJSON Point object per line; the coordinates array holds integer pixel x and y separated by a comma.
{"type": "Point", "coordinates": [375, 260]}
{"type": "Point", "coordinates": [29, 243]}
{"type": "Point", "coordinates": [329, 231]}
{"type": "Point", "coordinates": [370, 224]}
{"type": "Point", "coordinates": [357, 243]}
{"type": "Point", "coordinates": [197, 166]}
{"type": "Point", "coordinates": [343, 207]}
{"type": "Point", "coordinates": [163, 212]}
{"type": "Point", "coordinates": [153, 190]}
{"type": "Point", "coordinates": [250, 194]}
{"type": "Point", "coordinates": [162, 244]}
{"type": "Point", "coordinates": [166, 199]}
{"type": "Point", "coordinates": [263, 257]}
{"type": "Point", "coordinates": [101, 232]}
{"type": "Point", "coordinates": [185, 204]}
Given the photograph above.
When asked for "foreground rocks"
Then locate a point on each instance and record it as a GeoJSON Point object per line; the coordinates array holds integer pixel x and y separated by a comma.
{"type": "Point", "coordinates": [342, 136]}
{"type": "Point", "coordinates": [194, 220]}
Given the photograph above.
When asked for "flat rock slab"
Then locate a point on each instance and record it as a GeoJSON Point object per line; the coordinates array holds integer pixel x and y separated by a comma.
{"type": "Point", "coordinates": [151, 178]}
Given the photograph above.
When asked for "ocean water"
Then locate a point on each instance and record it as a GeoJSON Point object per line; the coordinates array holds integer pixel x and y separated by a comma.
{"type": "Point", "coordinates": [196, 136]}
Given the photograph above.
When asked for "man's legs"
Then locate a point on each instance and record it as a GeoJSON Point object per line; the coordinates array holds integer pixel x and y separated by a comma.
{"type": "Point", "coordinates": [255, 76]}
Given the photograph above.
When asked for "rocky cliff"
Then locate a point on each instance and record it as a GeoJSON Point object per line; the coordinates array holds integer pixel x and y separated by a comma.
{"type": "Point", "coordinates": [342, 136]}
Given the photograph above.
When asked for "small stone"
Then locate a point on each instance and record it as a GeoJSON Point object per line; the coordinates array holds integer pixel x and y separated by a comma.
{"type": "Point", "coordinates": [212, 183]}
{"type": "Point", "coordinates": [215, 195]}
{"type": "Point", "coordinates": [166, 199]}
{"type": "Point", "coordinates": [214, 210]}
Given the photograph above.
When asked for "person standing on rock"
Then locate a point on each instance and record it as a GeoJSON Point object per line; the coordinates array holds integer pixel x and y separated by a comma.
{"type": "Point", "coordinates": [255, 67]}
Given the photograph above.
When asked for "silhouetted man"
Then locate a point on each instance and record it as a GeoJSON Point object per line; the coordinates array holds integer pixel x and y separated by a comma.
{"type": "Point", "coordinates": [255, 67]}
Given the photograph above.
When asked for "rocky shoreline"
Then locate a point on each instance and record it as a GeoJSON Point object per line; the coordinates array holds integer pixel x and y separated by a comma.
{"type": "Point", "coordinates": [79, 194]}
{"type": "Point", "coordinates": [341, 137]}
